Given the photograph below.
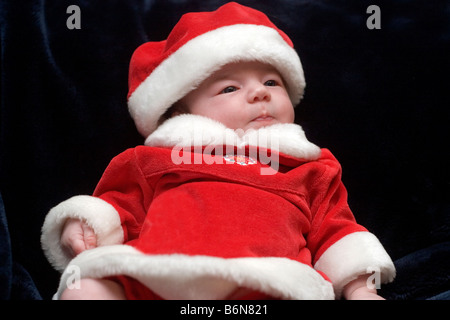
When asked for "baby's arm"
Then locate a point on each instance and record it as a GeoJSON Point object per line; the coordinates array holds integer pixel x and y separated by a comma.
{"type": "Point", "coordinates": [77, 236]}
{"type": "Point", "coordinates": [359, 290]}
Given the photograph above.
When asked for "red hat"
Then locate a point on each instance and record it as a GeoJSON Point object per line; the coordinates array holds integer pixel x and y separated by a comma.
{"type": "Point", "coordinates": [201, 43]}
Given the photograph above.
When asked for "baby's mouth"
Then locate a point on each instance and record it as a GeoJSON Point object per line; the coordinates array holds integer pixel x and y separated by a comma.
{"type": "Point", "coordinates": [262, 121]}
{"type": "Point", "coordinates": [263, 118]}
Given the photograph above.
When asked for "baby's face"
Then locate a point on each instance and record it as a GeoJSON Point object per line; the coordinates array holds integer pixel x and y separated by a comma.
{"type": "Point", "coordinates": [244, 95]}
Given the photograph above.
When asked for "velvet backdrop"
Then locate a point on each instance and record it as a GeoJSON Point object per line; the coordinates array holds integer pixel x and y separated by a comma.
{"type": "Point", "coordinates": [379, 99]}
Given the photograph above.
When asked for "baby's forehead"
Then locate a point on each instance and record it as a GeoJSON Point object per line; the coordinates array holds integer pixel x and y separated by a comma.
{"type": "Point", "coordinates": [242, 67]}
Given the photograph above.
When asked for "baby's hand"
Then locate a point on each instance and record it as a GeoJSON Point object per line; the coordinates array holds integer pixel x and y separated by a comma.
{"type": "Point", "coordinates": [359, 290]}
{"type": "Point", "coordinates": [77, 236]}
{"type": "Point", "coordinates": [364, 293]}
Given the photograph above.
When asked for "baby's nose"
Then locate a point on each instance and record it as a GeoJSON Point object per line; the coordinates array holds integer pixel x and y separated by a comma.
{"type": "Point", "coordinates": [259, 92]}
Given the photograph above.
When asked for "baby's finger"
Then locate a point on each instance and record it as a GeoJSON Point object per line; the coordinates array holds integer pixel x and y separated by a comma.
{"type": "Point", "coordinates": [90, 239]}
{"type": "Point", "coordinates": [76, 246]}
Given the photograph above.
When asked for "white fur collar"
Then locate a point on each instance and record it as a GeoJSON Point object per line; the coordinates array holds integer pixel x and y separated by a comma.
{"type": "Point", "coordinates": [188, 130]}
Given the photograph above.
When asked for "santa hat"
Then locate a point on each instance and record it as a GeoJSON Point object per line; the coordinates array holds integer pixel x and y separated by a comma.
{"type": "Point", "coordinates": [201, 43]}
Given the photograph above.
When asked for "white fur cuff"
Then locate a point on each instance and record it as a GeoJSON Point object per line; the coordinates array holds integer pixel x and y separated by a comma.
{"type": "Point", "coordinates": [354, 255]}
{"type": "Point", "coordinates": [98, 214]}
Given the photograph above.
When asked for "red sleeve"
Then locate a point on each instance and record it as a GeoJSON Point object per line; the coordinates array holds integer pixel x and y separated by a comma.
{"type": "Point", "coordinates": [332, 218]}
{"type": "Point", "coordinates": [123, 185]}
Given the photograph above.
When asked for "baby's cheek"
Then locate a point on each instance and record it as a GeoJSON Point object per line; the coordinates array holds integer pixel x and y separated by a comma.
{"type": "Point", "coordinates": [287, 115]}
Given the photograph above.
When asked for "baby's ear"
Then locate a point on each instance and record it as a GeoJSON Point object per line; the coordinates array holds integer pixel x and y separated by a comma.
{"type": "Point", "coordinates": [178, 108]}
{"type": "Point", "coordinates": [174, 110]}
{"type": "Point", "coordinates": [176, 113]}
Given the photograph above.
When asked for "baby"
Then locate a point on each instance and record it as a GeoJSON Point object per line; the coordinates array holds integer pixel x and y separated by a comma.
{"type": "Point", "coordinates": [220, 91]}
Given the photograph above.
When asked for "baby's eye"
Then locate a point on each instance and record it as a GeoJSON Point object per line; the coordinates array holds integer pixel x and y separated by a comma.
{"type": "Point", "coordinates": [271, 83]}
{"type": "Point", "coordinates": [229, 89]}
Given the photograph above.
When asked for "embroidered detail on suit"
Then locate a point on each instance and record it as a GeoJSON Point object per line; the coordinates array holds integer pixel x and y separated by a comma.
{"type": "Point", "coordinates": [242, 160]}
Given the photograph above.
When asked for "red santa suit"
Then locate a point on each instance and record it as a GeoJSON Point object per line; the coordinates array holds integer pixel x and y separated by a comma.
{"type": "Point", "coordinates": [201, 210]}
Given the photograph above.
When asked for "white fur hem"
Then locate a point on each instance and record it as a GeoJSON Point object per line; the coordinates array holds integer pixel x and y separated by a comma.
{"type": "Point", "coordinates": [181, 277]}
{"type": "Point", "coordinates": [354, 255]}
{"type": "Point", "coordinates": [98, 214]}
{"type": "Point", "coordinates": [187, 67]}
